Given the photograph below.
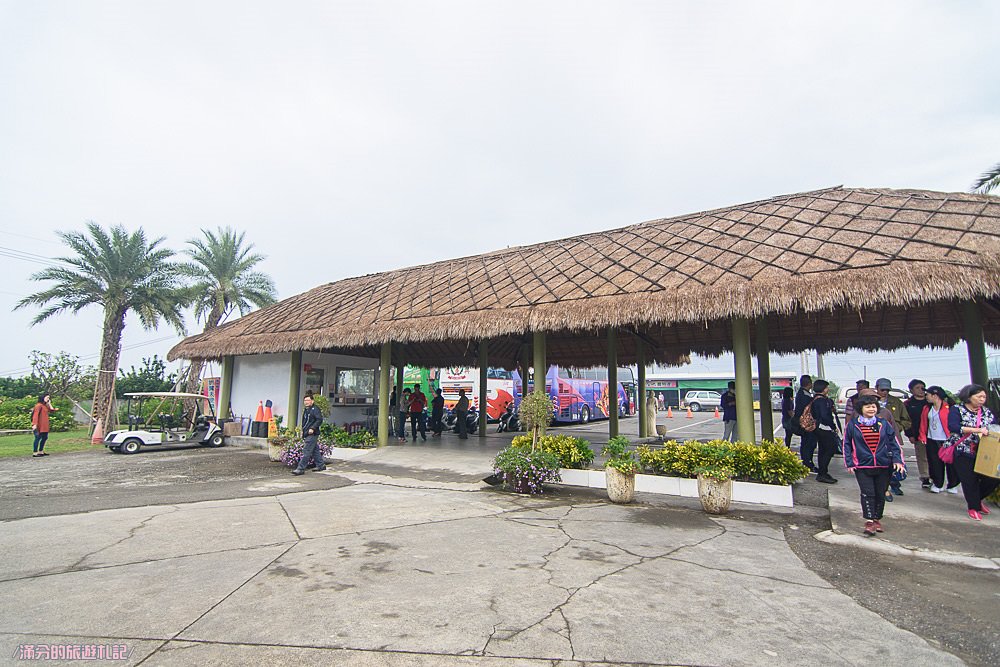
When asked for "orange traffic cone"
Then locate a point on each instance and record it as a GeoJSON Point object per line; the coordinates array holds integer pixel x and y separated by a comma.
{"type": "Point", "coordinates": [670, 412]}
{"type": "Point", "coordinates": [717, 415]}
{"type": "Point", "coordinates": [260, 412]}
{"type": "Point", "coordinates": [267, 412]}
{"type": "Point", "coordinates": [690, 415]}
{"type": "Point", "coordinates": [98, 436]}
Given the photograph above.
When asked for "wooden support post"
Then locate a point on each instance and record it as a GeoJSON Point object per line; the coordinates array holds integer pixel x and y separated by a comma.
{"type": "Point", "coordinates": [294, 382]}
{"type": "Point", "coordinates": [226, 391]}
{"type": "Point", "coordinates": [541, 367]}
{"type": "Point", "coordinates": [483, 377]}
{"type": "Point", "coordinates": [640, 354]}
{"type": "Point", "coordinates": [384, 380]}
{"type": "Point", "coordinates": [525, 365]}
{"type": "Point", "coordinates": [972, 319]}
{"type": "Point", "coordinates": [764, 381]}
{"type": "Point", "coordinates": [745, 427]}
{"type": "Point", "coordinates": [612, 382]}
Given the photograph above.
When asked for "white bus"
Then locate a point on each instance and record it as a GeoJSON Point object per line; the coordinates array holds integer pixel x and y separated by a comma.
{"type": "Point", "coordinates": [499, 388]}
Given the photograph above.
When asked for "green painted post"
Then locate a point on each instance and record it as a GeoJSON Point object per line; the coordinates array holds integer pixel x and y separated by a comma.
{"type": "Point", "coordinates": [612, 382]}
{"type": "Point", "coordinates": [973, 321]}
{"type": "Point", "coordinates": [400, 369]}
{"type": "Point", "coordinates": [640, 354]}
{"type": "Point", "coordinates": [764, 381]}
{"type": "Point", "coordinates": [483, 377]}
{"type": "Point", "coordinates": [294, 381]}
{"type": "Point", "coordinates": [226, 391]}
{"type": "Point", "coordinates": [384, 380]}
{"type": "Point", "coordinates": [745, 427]}
{"type": "Point", "coordinates": [541, 367]}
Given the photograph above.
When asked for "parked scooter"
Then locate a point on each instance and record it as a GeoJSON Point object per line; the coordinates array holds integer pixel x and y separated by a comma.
{"type": "Point", "coordinates": [509, 420]}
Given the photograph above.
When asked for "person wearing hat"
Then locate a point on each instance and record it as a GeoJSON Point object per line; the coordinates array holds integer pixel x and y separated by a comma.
{"type": "Point", "coordinates": [915, 406]}
{"type": "Point", "coordinates": [900, 419]}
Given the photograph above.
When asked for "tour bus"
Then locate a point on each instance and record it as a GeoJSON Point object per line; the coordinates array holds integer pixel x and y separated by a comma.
{"type": "Point", "coordinates": [579, 395]}
{"type": "Point", "coordinates": [499, 388]}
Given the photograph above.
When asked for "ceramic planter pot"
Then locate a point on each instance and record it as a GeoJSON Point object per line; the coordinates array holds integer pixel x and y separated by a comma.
{"type": "Point", "coordinates": [621, 487]}
{"type": "Point", "coordinates": [273, 451]}
{"type": "Point", "coordinates": [715, 496]}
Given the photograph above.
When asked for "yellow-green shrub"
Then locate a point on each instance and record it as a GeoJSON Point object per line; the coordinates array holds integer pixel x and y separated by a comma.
{"type": "Point", "coordinates": [767, 463]}
{"type": "Point", "coordinates": [571, 452]}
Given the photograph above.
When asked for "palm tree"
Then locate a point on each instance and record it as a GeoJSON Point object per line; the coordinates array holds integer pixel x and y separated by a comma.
{"type": "Point", "coordinates": [120, 272]}
{"type": "Point", "coordinates": [223, 280]}
{"type": "Point", "coordinates": [989, 181]}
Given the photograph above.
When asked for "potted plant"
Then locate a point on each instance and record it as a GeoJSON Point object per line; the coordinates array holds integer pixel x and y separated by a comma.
{"type": "Point", "coordinates": [715, 480]}
{"type": "Point", "coordinates": [526, 470]}
{"type": "Point", "coordinates": [276, 445]}
{"type": "Point", "coordinates": [620, 470]}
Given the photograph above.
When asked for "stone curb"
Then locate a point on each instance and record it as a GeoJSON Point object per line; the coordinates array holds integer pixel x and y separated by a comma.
{"type": "Point", "coordinates": [888, 548]}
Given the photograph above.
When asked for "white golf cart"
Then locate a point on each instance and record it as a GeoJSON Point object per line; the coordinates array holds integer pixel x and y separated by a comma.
{"type": "Point", "coordinates": [165, 427]}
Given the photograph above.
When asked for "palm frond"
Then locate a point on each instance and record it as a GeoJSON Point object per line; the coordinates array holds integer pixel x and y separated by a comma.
{"type": "Point", "coordinates": [988, 181]}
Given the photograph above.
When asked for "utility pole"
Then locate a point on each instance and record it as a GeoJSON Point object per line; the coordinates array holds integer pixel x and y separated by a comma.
{"type": "Point", "coordinates": [820, 370]}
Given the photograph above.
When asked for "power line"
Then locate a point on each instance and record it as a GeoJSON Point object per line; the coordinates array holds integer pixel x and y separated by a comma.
{"type": "Point", "coordinates": [21, 371]}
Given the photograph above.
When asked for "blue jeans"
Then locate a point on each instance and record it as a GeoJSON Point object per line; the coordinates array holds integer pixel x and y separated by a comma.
{"type": "Point", "coordinates": [401, 424]}
{"type": "Point", "coordinates": [40, 439]}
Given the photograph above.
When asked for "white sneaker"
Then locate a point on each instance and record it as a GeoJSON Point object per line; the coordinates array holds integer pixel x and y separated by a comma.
{"type": "Point", "coordinates": [936, 489]}
{"type": "Point", "coordinates": [952, 490]}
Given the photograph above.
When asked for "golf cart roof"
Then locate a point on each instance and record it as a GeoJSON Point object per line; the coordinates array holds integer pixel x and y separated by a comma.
{"type": "Point", "coordinates": [164, 394]}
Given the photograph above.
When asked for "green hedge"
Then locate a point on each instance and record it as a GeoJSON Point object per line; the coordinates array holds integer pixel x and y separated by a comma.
{"type": "Point", "coordinates": [767, 463]}
{"type": "Point", "coordinates": [15, 414]}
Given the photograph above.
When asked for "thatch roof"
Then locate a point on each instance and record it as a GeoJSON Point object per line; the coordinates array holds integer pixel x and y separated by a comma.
{"type": "Point", "coordinates": [831, 269]}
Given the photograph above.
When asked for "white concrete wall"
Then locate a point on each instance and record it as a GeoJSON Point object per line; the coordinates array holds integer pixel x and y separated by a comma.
{"type": "Point", "coordinates": [261, 377]}
{"type": "Point", "coordinates": [340, 414]}
{"type": "Point", "coordinates": [266, 376]}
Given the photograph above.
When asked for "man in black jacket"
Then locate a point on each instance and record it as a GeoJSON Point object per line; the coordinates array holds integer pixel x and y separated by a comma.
{"type": "Point", "coordinates": [808, 445]}
{"type": "Point", "coordinates": [827, 430]}
{"type": "Point", "coordinates": [311, 420]}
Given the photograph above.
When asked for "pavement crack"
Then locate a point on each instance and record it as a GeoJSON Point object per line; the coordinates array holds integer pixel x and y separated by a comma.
{"type": "Point", "coordinates": [287, 516]}
{"type": "Point", "coordinates": [747, 574]}
{"type": "Point", "coordinates": [131, 533]}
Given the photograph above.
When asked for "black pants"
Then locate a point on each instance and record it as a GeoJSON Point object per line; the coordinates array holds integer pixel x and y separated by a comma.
{"type": "Point", "coordinates": [462, 415]}
{"type": "Point", "coordinates": [311, 452]}
{"type": "Point", "coordinates": [937, 467]}
{"type": "Point", "coordinates": [827, 441]}
{"type": "Point", "coordinates": [807, 447]}
{"type": "Point", "coordinates": [418, 421]}
{"type": "Point", "coordinates": [873, 482]}
{"type": "Point", "coordinates": [436, 425]}
{"type": "Point", "coordinates": [974, 486]}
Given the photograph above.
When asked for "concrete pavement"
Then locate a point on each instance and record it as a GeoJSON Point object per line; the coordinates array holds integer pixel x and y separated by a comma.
{"type": "Point", "coordinates": [395, 569]}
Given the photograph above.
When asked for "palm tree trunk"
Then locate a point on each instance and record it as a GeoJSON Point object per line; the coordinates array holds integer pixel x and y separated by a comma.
{"type": "Point", "coordinates": [197, 365]}
{"type": "Point", "coordinates": [111, 341]}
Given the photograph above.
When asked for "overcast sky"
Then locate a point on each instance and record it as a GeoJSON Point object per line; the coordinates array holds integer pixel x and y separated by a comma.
{"type": "Point", "coordinates": [355, 137]}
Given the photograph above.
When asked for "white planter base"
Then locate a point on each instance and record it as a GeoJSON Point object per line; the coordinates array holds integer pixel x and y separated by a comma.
{"type": "Point", "coordinates": [743, 492]}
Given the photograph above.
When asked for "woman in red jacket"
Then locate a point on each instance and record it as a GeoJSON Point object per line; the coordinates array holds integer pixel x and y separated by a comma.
{"type": "Point", "coordinates": [932, 433]}
{"type": "Point", "coordinates": [40, 423]}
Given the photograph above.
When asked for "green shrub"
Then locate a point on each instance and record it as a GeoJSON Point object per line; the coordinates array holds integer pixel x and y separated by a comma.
{"type": "Point", "coordinates": [767, 463]}
{"type": "Point", "coordinates": [620, 457]}
{"type": "Point", "coordinates": [571, 452]}
{"type": "Point", "coordinates": [15, 414]}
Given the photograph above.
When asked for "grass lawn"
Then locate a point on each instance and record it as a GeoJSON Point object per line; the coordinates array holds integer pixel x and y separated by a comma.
{"type": "Point", "coordinates": [66, 441]}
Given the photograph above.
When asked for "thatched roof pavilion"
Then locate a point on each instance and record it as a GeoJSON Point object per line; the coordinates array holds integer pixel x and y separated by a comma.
{"type": "Point", "coordinates": [825, 270]}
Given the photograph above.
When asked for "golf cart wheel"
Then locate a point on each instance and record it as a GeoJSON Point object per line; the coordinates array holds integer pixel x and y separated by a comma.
{"type": "Point", "coordinates": [131, 446]}
{"type": "Point", "coordinates": [584, 414]}
{"type": "Point", "coordinates": [695, 407]}
{"type": "Point", "coordinates": [216, 440]}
